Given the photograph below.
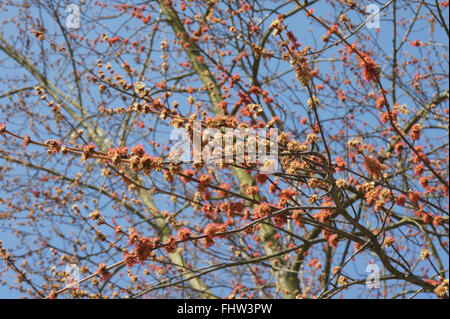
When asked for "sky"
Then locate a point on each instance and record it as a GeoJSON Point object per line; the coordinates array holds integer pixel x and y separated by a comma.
{"type": "Point", "coordinates": [298, 24]}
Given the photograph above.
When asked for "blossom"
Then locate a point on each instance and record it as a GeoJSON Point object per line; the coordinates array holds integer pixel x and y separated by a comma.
{"type": "Point", "coordinates": [333, 240]}
{"type": "Point", "coordinates": [263, 210]}
{"type": "Point", "coordinates": [415, 43]}
{"type": "Point", "coordinates": [415, 132]}
{"type": "Point", "coordinates": [88, 150]}
{"type": "Point", "coordinates": [184, 234]}
{"type": "Point", "coordinates": [373, 166]}
{"type": "Point", "coordinates": [276, 26]}
{"type": "Point", "coordinates": [261, 178]}
{"type": "Point", "coordinates": [211, 230]}
{"type": "Point", "coordinates": [170, 244]}
{"type": "Point", "coordinates": [54, 146]}
{"type": "Point", "coordinates": [130, 259]}
{"type": "Point", "coordinates": [371, 70]}
{"type": "Point", "coordinates": [252, 190]}
{"type": "Point", "coordinates": [297, 217]}
{"type": "Point", "coordinates": [144, 247]}
{"type": "Point", "coordinates": [103, 272]}
{"type": "Point", "coordinates": [401, 199]}
{"type": "Point", "coordinates": [280, 220]}
{"type": "Point", "coordinates": [138, 150]}
{"type": "Point", "coordinates": [380, 102]}
{"type": "Point", "coordinates": [341, 183]}
{"type": "Point", "coordinates": [424, 254]}
{"type": "Point", "coordinates": [399, 146]}
{"type": "Point", "coordinates": [388, 241]}
{"type": "Point", "coordinates": [438, 220]}
{"type": "Point", "coordinates": [26, 140]}
{"type": "Point", "coordinates": [414, 196]}
{"type": "Point", "coordinates": [442, 289]}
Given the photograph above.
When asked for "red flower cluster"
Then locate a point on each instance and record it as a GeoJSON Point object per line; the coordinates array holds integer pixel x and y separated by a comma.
{"type": "Point", "coordinates": [103, 272]}
{"type": "Point", "coordinates": [414, 196]}
{"type": "Point", "coordinates": [415, 132]}
{"type": "Point", "coordinates": [263, 210]}
{"type": "Point", "coordinates": [401, 199]}
{"type": "Point", "coordinates": [138, 150]}
{"type": "Point", "coordinates": [210, 231]}
{"type": "Point", "coordinates": [371, 70]}
{"type": "Point", "coordinates": [415, 43]}
{"type": "Point", "coordinates": [223, 193]}
{"type": "Point", "coordinates": [170, 244]}
{"type": "Point", "coordinates": [184, 234]}
{"type": "Point", "coordinates": [205, 179]}
{"type": "Point", "coordinates": [373, 166]}
{"type": "Point", "coordinates": [116, 154]}
{"type": "Point", "coordinates": [88, 150]}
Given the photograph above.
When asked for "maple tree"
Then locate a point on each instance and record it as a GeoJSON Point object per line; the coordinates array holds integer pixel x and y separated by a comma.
{"type": "Point", "coordinates": [87, 176]}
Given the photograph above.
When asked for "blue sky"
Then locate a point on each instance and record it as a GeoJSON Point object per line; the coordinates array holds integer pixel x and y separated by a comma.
{"type": "Point", "coordinates": [299, 24]}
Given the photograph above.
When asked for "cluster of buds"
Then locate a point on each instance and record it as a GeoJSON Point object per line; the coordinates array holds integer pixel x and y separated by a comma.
{"type": "Point", "coordinates": [355, 143]}
{"type": "Point", "coordinates": [272, 122]}
{"type": "Point", "coordinates": [255, 109]}
{"type": "Point", "coordinates": [88, 150]}
{"type": "Point", "coordinates": [285, 196]}
{"type": "Point", "coordinates": [293, 167]}
{"type": "Point", "coordinates": [313, 198]}
{"type": "Point", "coordinates": [143, 108]}
{"type": "Point", "coordinates": [277, 26]}
{"type": "Point", "coordinates": [26, 140]}
{"type": "Point", "coordinates": [140, 90]}
{"type": "Point", "coordinates": [371, 70]}
{"type": "Point", "coordinates": [102, 270]}
{"type": "Point", "coordinates": [4, 254]}
{"type": "Point", "coordinates": [313, 103]}
{"type": "Point", "coordinates": [341, 183]}
{"type": "Point", "coordinates": [184, 234]}
{"type": "Point", "coordinates": [331, 30]}
{"type": "Point", "coordinates": [350, 3]}
{"type": "Point", "coordinates": [415, 132]}
{"type": "Point", "coordinates": [171, 244]}
{"type": "Point", "coordinates": [221, 121]}
{"type": "Point", "coordinates": [38, 34]}
{"type": "Point", "coordinates": [425, 254]}
{"type": "Point", "coordinates": [303, 73]}
{"type": "Point", "coordinates": [96, 216]}
{"type": "Point", "coordinates": [178, 122]}
{"type": "Point", "coordinates": [263, 210]}
{"type": "Point", "coordinates": [380, 103]}
{"type": "Point", "coordinates": [211, 230]}
{"type": "Point", "coordinates": [54, 146]}
{"type": "Point", "coordinates": [40, 92]}
{"type": "Point", "coordinates": [117, 154]}
{"type": "Point", "coordinates": [297, 217]}
{"type": "Point", "coordinates": [373, 166]}
{"type": "Point", "coordinates": [312, 138]}
{"type": "Point", "coordinates": [388, 241]}
{"type": "Point", "coordinates": [442, 289]}
{"type": "Point", "coordinates": [146, 163]}
{"type": "Point", "coordinates": [145, 246]}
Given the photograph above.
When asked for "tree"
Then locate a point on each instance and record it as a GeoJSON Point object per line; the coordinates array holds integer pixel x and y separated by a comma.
{"type": "Point", "coordinates": [358, 112]}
